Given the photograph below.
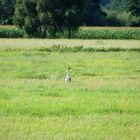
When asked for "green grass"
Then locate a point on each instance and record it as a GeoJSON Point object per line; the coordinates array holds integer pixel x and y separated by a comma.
{"type": "Point", "coordinates": [28, 44]}
{"type": "Point", "coordinates": [101, 102]}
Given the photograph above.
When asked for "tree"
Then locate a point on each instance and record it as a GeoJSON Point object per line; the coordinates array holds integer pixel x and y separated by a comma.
{"type": "Point", "coordinates": [117, 5]}
{"type": "Point", "coordinates": [26, 17]}
{"type": "Point", "coordinates": [104, 2]}
{"type": "Point", "coordinates": [94, 14]}
{"type": "Point", "coordinates": [6, 11]}
{"type": "Point", "coordinates": [42, 18]}
{"type": "Point", "coordinates": [117, 14]}
{"type": "Point", "coordinates": [134, 8]}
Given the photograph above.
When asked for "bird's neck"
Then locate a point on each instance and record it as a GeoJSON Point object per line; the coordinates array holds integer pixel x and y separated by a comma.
{"type": "Point", "coordinates": [68, 72]}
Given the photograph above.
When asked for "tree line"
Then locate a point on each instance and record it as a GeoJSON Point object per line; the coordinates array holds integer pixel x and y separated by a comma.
{"type": "Point", "coordinates": [39, 18]}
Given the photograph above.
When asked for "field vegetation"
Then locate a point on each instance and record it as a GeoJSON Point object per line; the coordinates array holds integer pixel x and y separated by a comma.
{"type": "Point", "coordinates": [82, 33]}
{"type": "Point", "coordinates": [29, 44]}
{"type": "Point", "coordinates": [108, 33]}
{"type": "Point", "coordinates": [10, 32]}
{"type": "Point", "coordinates": [101, 102]}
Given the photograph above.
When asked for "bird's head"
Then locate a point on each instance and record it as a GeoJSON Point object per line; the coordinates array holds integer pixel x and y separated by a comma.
{"type": "Point", "coordinates": [68, 69]}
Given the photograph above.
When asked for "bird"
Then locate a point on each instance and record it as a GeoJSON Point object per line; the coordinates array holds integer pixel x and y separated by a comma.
{"type": "Point", "coordinates": [68, 77]}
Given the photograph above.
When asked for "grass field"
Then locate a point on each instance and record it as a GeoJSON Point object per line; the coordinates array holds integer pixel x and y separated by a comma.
{"type": "Point", "coordinates": [28, 44]}
{"type": "Point", "coordinates": [101, 103]}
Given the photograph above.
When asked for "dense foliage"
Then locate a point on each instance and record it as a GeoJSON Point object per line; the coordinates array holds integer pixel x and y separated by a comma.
{"type": "Point", "coordinates": [118, 13]}
{"type": "Point", "coordinates": [104, 2]}
{"type": "Point", "coordinates": [134, 8]}
{"type": "Point", "coordinates": [6, 11]}
{"type": "Point", "coordinates": [50, 18]}
{"type": "Point", "coordinates": [94, 15]}
{"type": "Point", "coordinates": [40, 18]}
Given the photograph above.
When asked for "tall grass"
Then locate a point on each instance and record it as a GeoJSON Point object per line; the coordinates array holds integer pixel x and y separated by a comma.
{"type": "Point", "coordinates": [59, 48]}
{"type": "Point", "coordinates": [10, 32]}
{"type": "Point", "coordinates": [101, 102]}
{"type": "Point", "coordinates": [108, 33]}
{"type": "Point", "coordinates": [83, 33]}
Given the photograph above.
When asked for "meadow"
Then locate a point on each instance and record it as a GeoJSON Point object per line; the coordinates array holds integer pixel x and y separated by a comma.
{"type": "Point", "coordinates": [30, 44]}
{"type": "Point", "coordinates": [101, 102]}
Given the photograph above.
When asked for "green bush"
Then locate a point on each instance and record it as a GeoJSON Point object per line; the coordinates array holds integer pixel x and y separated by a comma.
{"type": "Point", "coordinates": [10, 32]}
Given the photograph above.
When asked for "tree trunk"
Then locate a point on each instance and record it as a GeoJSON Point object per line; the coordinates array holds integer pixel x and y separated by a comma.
{"type": "Point", "coordinates": [69, 30]}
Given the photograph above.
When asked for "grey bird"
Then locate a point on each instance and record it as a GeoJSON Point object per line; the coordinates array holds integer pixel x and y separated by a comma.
{"type": "Point", "coordinates": [68, 77]}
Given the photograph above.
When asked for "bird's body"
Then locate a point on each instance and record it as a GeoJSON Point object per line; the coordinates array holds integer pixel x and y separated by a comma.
{"type": "Point", "coordinates": [68, 77]}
